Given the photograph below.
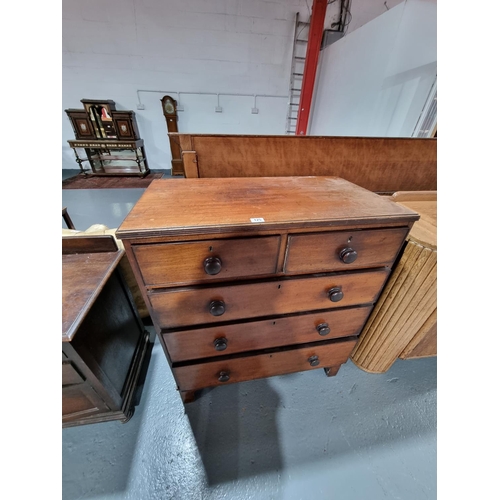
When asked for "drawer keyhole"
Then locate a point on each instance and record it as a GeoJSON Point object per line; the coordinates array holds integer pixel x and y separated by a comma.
{"type": "Point", "coordinates": [212, 265]}
{"type": "Point", "coordinates": [220, 344]}
{"type": "Point", "coordinates": [217, 307]}
{"type": "Point", "coordinates": [323, 329]}
{"type": "Point", "coordinates": [348, 255]}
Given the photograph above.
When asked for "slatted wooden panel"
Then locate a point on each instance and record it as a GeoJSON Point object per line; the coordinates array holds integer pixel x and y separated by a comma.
{"type": "Point", "coordinates": [404, 322]}
{"type": "Point", "coordinates": [424, 343]}
{"type": "Point", "coordinates": [404, 313]}
{"type": "Point", "coordinates": [385, 164]}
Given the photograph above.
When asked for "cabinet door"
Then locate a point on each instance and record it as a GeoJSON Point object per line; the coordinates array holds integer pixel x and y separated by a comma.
{"type": "Point", "coordinates": [124, 128]}
{"type": "Point", "coordinates": [125, 125]}
{"type": "Point", "coordinates": [81, 125]}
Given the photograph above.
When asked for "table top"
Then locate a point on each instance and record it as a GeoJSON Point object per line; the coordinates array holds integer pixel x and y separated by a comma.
{"type": "Point", "coordinates": [202, 206]}
{"type": "Point", "coordinates": [83, 277]}
{"type": "Point", "coordinates": [424, 231]}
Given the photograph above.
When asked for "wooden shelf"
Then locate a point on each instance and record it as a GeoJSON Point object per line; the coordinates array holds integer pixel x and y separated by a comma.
{"type": "Point", "coordinates": [117, 174]}
{"type": "Point", "coordinates": [114, 157]}
{"type": "Point", "coordinates": [127, 168]}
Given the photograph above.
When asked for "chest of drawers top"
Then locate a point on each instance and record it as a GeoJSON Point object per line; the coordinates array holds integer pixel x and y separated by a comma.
{"type": "Point", "coordinates": [183, 207]}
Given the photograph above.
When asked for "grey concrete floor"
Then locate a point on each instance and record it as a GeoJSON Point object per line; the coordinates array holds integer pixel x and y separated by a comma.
{"type": "Point", "coordinates": [303, 436]}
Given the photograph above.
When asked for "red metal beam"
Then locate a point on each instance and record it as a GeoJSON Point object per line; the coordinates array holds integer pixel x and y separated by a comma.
{"type": "Point", "coordinates": [311, 64]}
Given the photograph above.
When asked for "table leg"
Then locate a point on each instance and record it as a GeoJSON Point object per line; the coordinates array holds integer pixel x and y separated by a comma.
{"type": "Point", "coordinates": [79, 161]}
{"type": "Point", "coordinates": [67, 218]}
{"type": "Point", "coordinates": [331, 371]}
{"type": "Point", "coordinates": [188, 396]}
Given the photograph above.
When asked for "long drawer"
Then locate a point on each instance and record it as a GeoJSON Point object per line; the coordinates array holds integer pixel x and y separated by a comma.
{"type": "Point", "coordinates": [192, 306]}
{"type": "Point", "coordinates": [243, 368]}
{"type": "Point", "coordinates": [189, 262]}
{"type": "Point", "coordinates": [250, 336]}
{"type": "Point", "coordinates": [343, 250]}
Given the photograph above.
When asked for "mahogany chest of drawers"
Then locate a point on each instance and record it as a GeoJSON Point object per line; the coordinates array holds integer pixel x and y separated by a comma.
{"type": "Point", "coordinates": [254, 277]}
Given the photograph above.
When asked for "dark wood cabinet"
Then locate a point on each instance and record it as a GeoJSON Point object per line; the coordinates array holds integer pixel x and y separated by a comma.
{"type": "Point", "coordinates": [110, 139]}
{"type": "Point", "coordinates": [255, 277]}
{"type": "Point", "coordinates": [105, 347]}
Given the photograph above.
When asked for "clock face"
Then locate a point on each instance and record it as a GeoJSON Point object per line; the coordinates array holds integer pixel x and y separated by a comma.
{"type": "Point", "coordinates": [169, 107]}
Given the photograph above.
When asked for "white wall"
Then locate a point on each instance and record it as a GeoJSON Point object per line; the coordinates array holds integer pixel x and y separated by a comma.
{"type": "Point", "coordinates": [363, 11]}
{"type": "Point", "coordinates": [112, 48]}
{"type": "Point", "coordinates": [374, 81]}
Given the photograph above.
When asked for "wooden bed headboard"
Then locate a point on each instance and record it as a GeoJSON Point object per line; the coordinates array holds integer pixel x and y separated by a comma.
{"type": "Point", "coordinates": [380, 164]}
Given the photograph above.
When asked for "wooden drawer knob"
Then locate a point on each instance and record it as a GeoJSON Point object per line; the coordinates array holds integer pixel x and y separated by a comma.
{"type": "Point", "coordinates": [348, 255]}
{"type": "Point", "coordinates": [223, 376]}
{"type": "Point", "coordinates": [217, 308]}
{"type": "Point", "coordinates": [220, 344]}
{"type": "Point", "coordinates": [313, 361]}
{"type": "Point", "coordinates": [323, 329]}
{"type": "Point", "coordinates": [212, 265]}
{"type": "Point", "coordinates": [335, 294]}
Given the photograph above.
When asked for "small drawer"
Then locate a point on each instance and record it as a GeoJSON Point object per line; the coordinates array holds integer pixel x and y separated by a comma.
{"type": "Point", "coordinates": [80, 401]}
{"type": "Point", "coordinates": [251, 336]}
{"type": "Point", "coordinates": [343, 250]}
{"type": "Point", "coordinates": [192, 306]}
{"type": "Point", "coordinates": [189, 262]}
{"type": "Point", "coordinates": [238, 369]}
{"type": "Point", "coordinates": [70, 376]}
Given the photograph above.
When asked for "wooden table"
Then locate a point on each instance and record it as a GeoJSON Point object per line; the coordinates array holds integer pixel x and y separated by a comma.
{"type": "Point", "coordinates": [105, 348]}
{"type": "Point", "coordinates": [403, 324]}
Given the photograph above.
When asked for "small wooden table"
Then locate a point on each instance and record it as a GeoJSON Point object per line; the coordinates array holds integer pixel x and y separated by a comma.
{"type": "Point", "coordinates": [107, 157]}
{"type": "Point", "coordinates": [403, 324]}
{"type": "Point", "coordinates": [105, 348]}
